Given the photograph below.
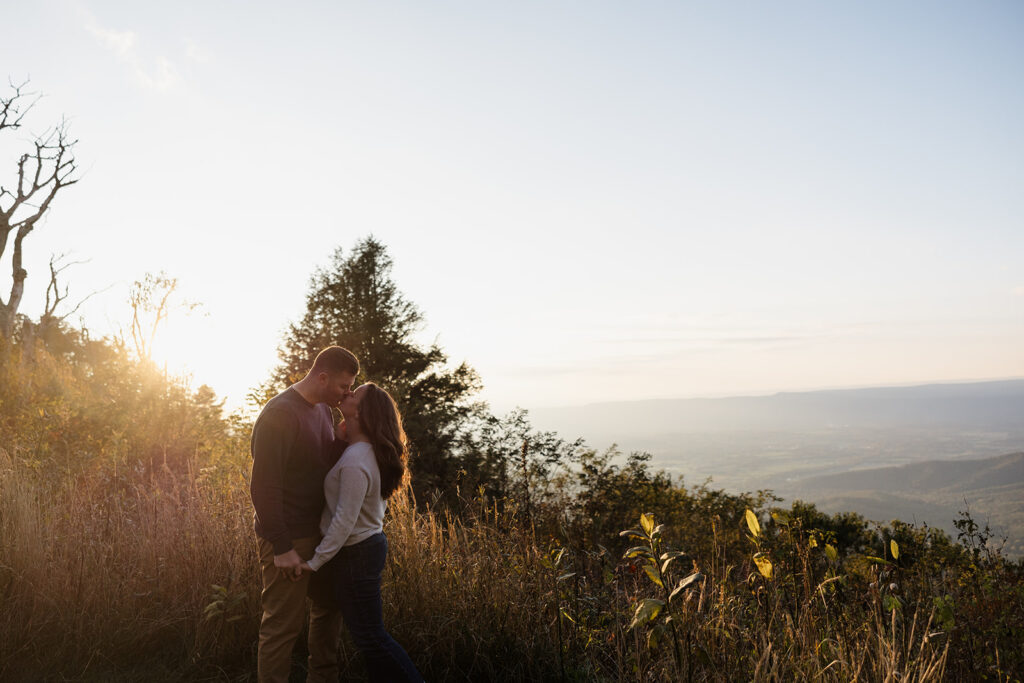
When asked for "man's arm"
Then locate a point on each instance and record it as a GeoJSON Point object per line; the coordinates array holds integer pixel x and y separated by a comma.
{"type": "Point", "coordinates": [272, 440]}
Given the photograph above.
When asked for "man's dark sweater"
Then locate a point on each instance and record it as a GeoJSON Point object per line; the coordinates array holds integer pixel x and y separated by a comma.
{"type": "Point", "coordinates": [291, 454]}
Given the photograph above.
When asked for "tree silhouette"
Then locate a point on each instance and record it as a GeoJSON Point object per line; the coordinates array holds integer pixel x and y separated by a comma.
{"type": "Point", "coordinates": [353, 302]}
{"type": "Point", "coordinates": [41, 173]}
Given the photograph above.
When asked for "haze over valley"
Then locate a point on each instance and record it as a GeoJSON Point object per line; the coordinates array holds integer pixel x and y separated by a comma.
{"type": "Point", "coordinates": [911, 453]}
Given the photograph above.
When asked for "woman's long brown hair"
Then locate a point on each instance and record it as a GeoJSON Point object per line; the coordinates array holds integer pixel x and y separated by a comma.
{"type": "Point", "coordinates": [381, 422]}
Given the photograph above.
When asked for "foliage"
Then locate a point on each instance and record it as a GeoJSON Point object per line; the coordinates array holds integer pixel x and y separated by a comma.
{"type": "Point", "coordinates": [506, 459]}
{"type": "Point", "coordinates": [127, 553]}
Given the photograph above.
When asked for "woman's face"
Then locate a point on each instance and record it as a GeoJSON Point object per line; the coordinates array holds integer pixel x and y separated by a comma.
{"type": "Point", "coordinates": [350, 404]}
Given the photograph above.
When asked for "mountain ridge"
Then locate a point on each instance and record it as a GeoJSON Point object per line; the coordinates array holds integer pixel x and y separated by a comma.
{"type": "Point", "coordinates": [991, 405]}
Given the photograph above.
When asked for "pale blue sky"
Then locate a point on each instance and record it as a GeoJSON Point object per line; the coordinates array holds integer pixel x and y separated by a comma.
{"type": "Point", "coordinates": [588, 200]}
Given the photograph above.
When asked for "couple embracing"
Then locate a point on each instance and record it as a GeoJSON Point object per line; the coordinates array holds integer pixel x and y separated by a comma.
{"type": "Point", "coordinates": [319, 493]}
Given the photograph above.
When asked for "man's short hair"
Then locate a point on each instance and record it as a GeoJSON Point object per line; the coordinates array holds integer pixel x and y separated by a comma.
{"type": "Point", "coordinates": [335, 360]}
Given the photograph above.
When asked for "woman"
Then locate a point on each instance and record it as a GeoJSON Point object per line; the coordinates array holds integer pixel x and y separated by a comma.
{"type": "Point", "coordinates": [350, 558]}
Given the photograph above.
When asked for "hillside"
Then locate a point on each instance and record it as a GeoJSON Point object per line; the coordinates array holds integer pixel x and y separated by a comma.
{"type": "Point", "coordinates": [941, 475]}
{"type": "Point", "coordinates": [929, 492]}
{"type": "Point", "coordinates": [910, 453]}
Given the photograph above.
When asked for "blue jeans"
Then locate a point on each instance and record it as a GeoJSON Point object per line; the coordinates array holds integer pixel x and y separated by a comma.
{"type": "Point", "coordinates": [354, 577]}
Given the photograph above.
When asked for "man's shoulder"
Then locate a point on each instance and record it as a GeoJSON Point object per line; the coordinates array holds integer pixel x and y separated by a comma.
{"type": "Point", "coordinates": [285, 398]}
{"type": "Point", "coordinates": [291, 400]}
{"type": "Point", "coordinates": [288, 402]}
{"type": "Point", "coordinates": [280, 408]}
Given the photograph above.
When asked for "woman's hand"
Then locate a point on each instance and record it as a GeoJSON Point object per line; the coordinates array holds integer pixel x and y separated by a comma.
{"type": "Point", "coordinates": [304, 567]}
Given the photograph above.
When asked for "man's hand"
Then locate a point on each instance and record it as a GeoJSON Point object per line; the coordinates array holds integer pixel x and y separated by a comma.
{"type": "Point", "coordinates": [290, 564]}
{"type": "Point", "coordinates": [306, 568]}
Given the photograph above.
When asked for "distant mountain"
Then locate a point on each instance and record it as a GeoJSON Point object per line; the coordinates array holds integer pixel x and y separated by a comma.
{"type": "Point", "coordinates": [926, 477]}
{"type": "Point", "coordinates": [910, 453]}
{"type": "Point", "coordinates": [932, 492]}
{"type": "Point", "coordinates": [990, 406]}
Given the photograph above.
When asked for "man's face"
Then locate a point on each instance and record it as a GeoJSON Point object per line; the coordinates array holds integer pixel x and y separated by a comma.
{"type": "Point", "coordinates": [336, 386]}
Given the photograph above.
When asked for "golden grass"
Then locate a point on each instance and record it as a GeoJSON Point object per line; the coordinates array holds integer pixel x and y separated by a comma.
{"type": "Point", "coordinates": [107, 580]}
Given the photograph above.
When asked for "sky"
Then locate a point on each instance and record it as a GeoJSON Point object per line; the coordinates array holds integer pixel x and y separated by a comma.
{"type": "Point", "coordinates": [589, 201]}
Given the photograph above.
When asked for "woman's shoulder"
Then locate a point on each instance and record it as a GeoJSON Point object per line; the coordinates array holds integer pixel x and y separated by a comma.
{"type": "Point", "coordinates": [357, 454]}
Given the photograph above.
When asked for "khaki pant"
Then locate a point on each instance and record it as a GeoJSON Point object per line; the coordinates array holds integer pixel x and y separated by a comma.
{"type": "Point", "coordinates": [284, 609]}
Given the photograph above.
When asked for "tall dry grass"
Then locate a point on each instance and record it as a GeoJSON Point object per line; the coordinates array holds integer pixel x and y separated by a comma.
{"type": "Point", "coordinates": [104, 579]}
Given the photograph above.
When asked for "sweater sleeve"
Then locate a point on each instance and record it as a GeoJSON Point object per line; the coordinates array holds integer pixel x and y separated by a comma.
{"type": "Point", "coordinates": [273, 436]}
{"type": "Point", "coordinates": [353, 485]}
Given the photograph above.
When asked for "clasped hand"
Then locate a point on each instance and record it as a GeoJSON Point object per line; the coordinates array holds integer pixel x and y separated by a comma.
{"type": "Point", "coordinates": [291, 565]}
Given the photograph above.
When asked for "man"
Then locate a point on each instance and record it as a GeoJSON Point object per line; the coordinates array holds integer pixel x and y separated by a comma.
{"type": "Point", "coordinates": [292, 447]}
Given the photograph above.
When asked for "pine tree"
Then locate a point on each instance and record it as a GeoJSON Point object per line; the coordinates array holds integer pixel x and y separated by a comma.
{"type": "Point", "coordinates": [353, 302]}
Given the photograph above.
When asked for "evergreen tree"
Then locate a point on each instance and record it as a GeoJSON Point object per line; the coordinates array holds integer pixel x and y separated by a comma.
{"type": "Point", "coordinates": [353, 302]}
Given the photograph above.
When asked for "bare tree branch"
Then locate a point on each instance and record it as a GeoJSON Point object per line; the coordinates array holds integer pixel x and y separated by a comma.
{"type": "Point", "coordinates": [41, 174]}
{"type": "Point", "coordinates": [151, 295]}
{"type": "Point", "coordinates": [12, 109]}
{"type": "Point", "coordinates": [55, 296]}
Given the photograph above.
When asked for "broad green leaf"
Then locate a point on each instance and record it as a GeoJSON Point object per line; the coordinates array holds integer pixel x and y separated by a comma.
{"type": "Point", "coordinates": [781, 517]}
{"type": "Point", "coordinates": [764, 565]}
{"type": "Point", "coordinates": [657, 530]}
{"type": "Point", "coordinates": [665, 564]}
{"type": "Point", "coordinates": [894, 548]}
{"type": "Point", "coordinates": [652, 573]}
{"type": "Point", "coordinates": [944, 612]}
{"type": "Point", "coordinates": [647, 610]}
{"type": "Point", "coordinates": [636, 551]}
{"type": "Point", "coordinates": [690, 580]}
{"type": "Point", "coordinates": [812, 542]}
{"type": "Point", "coordinates": [753, 524]}
{"type": "Point", "coordinates": [830, 552]}
{"type": "Point", "coordinates": [654, 637]}
{"type": "Point", "coordinates": [891, 602]}
{"type": "Point", "coordinates": [632, 532]}
{"type": "Point", "coordinates": [647, 522]}
{"type": "Point", "coordinates": [667, 558]}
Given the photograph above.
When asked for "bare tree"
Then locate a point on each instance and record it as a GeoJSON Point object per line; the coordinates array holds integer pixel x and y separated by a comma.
{"type": "Point", "coordinates": [42, 173]}
{"type": "Point", "coordinates": [55, 295]}
{"type": "Point", "coordinates": [150, 299]}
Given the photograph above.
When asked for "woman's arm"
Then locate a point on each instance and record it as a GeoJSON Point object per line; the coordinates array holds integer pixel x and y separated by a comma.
{"type": "Point", "coordinates": [353, 485]}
